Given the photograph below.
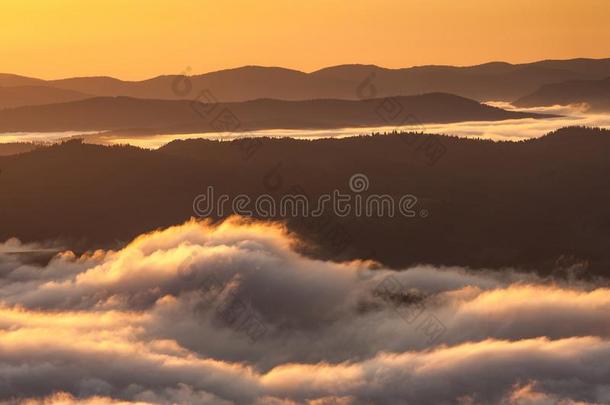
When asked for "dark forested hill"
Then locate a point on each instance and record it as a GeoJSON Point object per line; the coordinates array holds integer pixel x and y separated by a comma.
{"type": "Point", "coordinates": [540, 204]}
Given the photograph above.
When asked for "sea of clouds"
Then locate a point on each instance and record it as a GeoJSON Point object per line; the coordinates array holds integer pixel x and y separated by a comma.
{"type": "Point", "coordinates": [504, 130]}
{"type": "Point", "coordinates": [233, 314]}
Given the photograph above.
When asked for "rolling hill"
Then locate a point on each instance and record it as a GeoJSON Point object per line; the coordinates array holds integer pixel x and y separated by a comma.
{"type": "Point", "coordinates": [19, 96]}
{"type": "Point", "coordinates": [594, 93]}
{"type": "Point", "coordinates": [489, 204]}
{"type": "Point", "coordinates": [157, 116]}
{"type": "Point", "coordinates": [496, 81]}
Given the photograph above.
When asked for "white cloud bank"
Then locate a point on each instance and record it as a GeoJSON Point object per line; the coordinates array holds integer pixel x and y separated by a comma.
{"type": "Point", "coordinates": [506, 130]}
{"type": "Point", "coordinates": [231, 314]}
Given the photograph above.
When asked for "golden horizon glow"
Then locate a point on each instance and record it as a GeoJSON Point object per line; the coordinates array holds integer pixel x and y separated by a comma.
{"type": "Point", "coordinates": [139, 39]}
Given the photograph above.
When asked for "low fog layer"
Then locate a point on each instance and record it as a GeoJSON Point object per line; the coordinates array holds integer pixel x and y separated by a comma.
{"type": "Point", "coordinates": [508, 130]}
{"type": "Point", "coordinates": [149, 324]}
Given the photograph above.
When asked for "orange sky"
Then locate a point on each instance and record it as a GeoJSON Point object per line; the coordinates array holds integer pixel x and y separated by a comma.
{"type": "Point", "coordinates": [137, 39]}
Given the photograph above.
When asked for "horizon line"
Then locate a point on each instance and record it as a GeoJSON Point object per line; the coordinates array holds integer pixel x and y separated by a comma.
{"type": "Point", "coordinates": [306, 72]}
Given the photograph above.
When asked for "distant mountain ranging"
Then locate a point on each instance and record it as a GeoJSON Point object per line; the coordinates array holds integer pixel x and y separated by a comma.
{"type": "Point", "coordinates": [18, 96]}
{"type": "Point", "coordinates": [540, 204]}
{"type": "Point", "coordinates": [496, 81]}
{"type": "Point", "coordinates": [594, 93]}
{"type": "Point", "coordinates": [181, 116]}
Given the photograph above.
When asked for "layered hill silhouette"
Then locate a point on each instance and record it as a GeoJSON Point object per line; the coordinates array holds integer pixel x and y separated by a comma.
{"type": "Point", "coordinates": [156, 116]}
{"type": "Point", "coordinates": [594, 93]}
{"type": "Point", "coordinates": [7, 149]}
{"type": "Point", "coordinates": [18, 96]}
{"type": "Point", "coordinates": [540, 204]}
{"type": "Point", "coordinates": [496, 81]}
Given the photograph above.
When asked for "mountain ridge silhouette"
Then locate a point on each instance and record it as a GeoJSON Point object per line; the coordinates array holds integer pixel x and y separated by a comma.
{"type": "Point", "coordinates": [181, 116]}
{"type": "Point", "coordinates": [594, 93]}
{"type": "Point", "coordinates": [492, 81]}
